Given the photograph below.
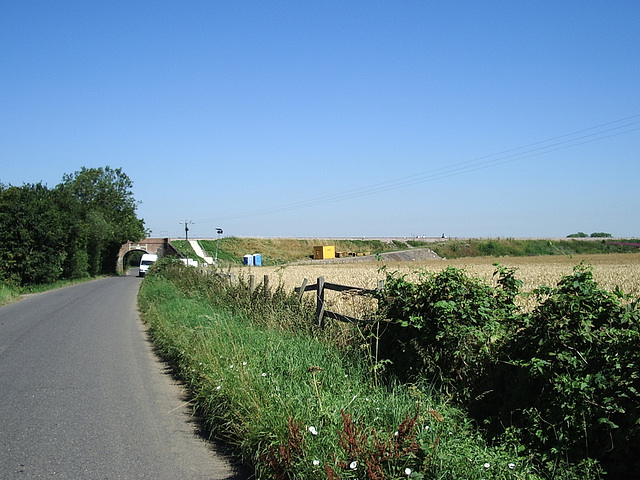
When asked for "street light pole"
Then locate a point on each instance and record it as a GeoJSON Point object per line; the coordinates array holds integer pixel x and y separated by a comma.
{"type": "Point", "coordinates": [219, 232]}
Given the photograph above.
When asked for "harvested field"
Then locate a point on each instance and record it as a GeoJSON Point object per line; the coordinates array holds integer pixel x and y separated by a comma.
{"type": "Point", "coordinates": [610, 270]}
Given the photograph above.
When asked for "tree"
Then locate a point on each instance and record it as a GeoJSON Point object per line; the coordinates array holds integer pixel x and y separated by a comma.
{"type": "Point", "coordinates": [107, 213]}
{"type": "Point", "coordinates": [71, 231]}
{"type": "Point", "coordinates": [32, 235]}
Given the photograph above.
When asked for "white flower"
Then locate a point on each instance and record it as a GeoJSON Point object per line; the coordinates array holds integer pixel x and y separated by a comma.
{"type": "Point", "coordinates": [353, 465]}
{"type": "Point", "coordinates": [244, 363]}
{"type": "Point", "coordinates": [316, 463]}
{"type": "Point", "coordinates": [313, 430]}
{"type": "Point", "coordinates": [511, 466]}
{"type": "Point", "coordinates": [407, 471]}
{"type": "Point", "coordinates": [218, 387]}
{"type": "Point", "coordinates": [230, 366]}
{"type": "Point", "coordinates": [264, 374]}
{"type": "Point", "coordinates": [487, 465]}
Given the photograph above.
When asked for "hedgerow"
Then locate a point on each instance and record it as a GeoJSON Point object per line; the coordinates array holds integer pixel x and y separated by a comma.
{"type": "Point", "coordinates": [563, 378]}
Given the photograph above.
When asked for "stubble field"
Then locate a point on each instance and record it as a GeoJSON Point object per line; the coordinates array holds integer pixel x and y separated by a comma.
{"type": "Point", "coordinates": [610, 270]}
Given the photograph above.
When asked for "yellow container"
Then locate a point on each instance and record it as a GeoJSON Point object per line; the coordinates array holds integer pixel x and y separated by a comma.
{"type": "Point", "coordinates": [323, 252]}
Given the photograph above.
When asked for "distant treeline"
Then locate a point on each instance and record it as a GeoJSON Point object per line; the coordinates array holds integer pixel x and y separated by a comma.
{"type": "Point", "coordinates": [73, 230]}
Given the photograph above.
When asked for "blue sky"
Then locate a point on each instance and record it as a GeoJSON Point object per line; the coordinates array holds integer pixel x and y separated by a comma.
{"type": "Point", "coordinates": [328, 119]}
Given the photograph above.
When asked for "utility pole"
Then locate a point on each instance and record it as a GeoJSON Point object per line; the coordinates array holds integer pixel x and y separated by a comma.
{"type": "Point", "coordinates": [219, 232]}
{"type": "Point", "coordinates": [186, 228]}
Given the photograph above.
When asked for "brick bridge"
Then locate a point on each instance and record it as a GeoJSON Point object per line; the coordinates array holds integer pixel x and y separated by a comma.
{"type": "Point", "coordinates": [156, 246]}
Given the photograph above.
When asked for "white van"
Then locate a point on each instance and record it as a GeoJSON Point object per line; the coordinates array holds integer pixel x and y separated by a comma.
{"type": "Point", "coordinates": [145, 262]}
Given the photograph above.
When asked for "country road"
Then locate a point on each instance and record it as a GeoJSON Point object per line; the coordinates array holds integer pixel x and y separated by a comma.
{"type": "Point", "coordinates": [82, 395]}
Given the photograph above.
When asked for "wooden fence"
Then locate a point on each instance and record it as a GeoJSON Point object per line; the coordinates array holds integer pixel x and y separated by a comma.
{"type": "Point", "coordinates": [321, 312]}
{"type": "Point", "coordinates": [320, 287]}
{"type": "Point", "coordinates": [252, 280]}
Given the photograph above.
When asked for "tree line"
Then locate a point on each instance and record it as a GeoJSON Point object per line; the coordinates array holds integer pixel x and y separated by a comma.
{"type": "Point", "coordinates": [70, 231]}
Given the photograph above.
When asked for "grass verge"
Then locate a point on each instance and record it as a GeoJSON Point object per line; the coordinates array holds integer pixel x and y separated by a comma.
{"type": "Point", "coordinates": [295, 406]}
{"type": "Point", "coordinates": [9, 293]}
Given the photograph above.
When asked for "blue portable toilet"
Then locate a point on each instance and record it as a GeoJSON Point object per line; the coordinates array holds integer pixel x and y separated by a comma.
{"type": "Point", "coordinates": [248, 260]}
{"type": "Point", "coordinates": [257, 259]}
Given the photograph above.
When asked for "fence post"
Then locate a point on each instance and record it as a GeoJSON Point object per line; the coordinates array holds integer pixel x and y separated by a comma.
{"type": "Point", "coordinates": [252, 283]}
{"type": "Point", "coordinates": [302, 289]}
{"type": "Point", "coordinates": [320, 303]}
{"type": "Point", "coordinates": [266, 285]}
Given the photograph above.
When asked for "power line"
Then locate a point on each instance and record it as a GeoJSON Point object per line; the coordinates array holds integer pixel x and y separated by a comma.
{"type": "Point", "coordinates": [561, 142]}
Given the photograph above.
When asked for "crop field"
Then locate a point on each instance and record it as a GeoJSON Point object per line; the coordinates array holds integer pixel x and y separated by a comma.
{"type": "Point", "coordinates": [610, 270]}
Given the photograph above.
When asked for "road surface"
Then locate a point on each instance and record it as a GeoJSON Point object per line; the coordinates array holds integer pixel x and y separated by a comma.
{"type": "Point", "coordinates": [83, 397]}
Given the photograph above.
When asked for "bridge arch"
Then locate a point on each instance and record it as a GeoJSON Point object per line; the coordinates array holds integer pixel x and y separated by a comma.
{"type": "Point", "coordinates": [157, 246]}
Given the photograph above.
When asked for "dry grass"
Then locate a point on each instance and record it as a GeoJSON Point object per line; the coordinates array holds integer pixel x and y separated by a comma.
{"type": "Point", "coordinates": [610, 270]}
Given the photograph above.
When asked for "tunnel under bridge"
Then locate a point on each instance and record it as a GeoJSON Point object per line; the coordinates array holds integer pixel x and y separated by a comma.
{"type": "Point", "coordinates": [156, 246]}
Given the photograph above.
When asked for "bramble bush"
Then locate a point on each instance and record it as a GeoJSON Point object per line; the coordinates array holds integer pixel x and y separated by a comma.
{"type": "Point", "coordinates": [446, 327]}
{"type": "Point", "coordinates": [563, 378]}
{"type": "Point", "coordinates": [577, 373]}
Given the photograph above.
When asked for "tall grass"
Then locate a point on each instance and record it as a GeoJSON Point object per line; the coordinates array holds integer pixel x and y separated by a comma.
{"type": "Point", "coordinates": [294, 405]}
{"type": "Point", "coordinates": [502, 247]}
{"type": "Point", "coordinates": [8, 294]}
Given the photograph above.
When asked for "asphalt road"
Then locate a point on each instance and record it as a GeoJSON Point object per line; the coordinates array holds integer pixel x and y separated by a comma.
{"type": "Point", "coordinates": [82, 395]}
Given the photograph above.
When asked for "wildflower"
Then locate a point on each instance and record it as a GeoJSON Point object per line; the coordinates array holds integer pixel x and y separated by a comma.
{"type": "Point", "coordinates": [353, 465]}
{"type": "Point", "coordinates": [511, 466]}
{"type": "Point", "coordinates": [407, 471]}
{"type": "Point", "coordinates": [316, 463]}
{"type": "Point", "coordinates": [264, 374]}
{"type": "Point", "coordinates": [230, 366]}
{"type": "Point", "coordinates": [313, 430]}
{"type": "Point", "coordinates": [487, 465]}
{"type": "Point", "coordinates": [244, 363]}
{"type": "Point", "coordinates": [218, 387]}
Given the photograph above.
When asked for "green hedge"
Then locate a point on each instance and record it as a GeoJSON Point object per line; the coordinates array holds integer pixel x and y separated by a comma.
{"type": "Point", "coordinates": [564, 378]}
